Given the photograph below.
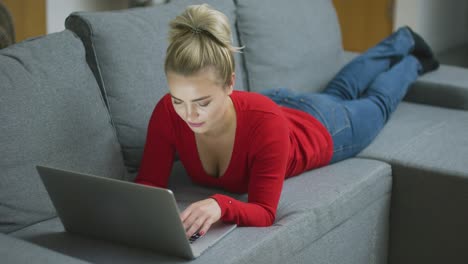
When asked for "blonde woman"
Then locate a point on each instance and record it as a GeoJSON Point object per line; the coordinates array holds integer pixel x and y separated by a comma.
{"type": "Point", "coordinates": [247, 142]}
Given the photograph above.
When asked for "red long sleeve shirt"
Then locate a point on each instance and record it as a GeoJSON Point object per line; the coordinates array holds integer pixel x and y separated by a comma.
{"type": "Point", "coordinates": [271, 143]}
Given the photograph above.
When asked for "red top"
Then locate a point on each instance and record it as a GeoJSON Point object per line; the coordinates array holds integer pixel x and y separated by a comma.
{"type": "Point", "coordinates": [271, 142]}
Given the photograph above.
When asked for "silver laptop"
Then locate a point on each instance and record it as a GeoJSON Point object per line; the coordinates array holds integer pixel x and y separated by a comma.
{"type": "Point", "coordinates": [125, 212]}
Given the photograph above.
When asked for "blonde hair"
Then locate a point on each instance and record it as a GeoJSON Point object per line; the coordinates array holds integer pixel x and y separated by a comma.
{"type": "Point", "coordinates": [201, 37]}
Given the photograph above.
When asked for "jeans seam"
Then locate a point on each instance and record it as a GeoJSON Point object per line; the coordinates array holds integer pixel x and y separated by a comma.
{"type": "Point", "coordinates": [341, 148]}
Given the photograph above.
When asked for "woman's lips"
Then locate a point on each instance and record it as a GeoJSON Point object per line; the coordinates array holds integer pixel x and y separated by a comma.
{"type": "Point", "coordinates": [196, 124]}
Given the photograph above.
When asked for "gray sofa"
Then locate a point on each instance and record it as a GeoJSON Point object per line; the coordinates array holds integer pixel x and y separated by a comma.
{"type": "Point", "coordinates": [80, 99]}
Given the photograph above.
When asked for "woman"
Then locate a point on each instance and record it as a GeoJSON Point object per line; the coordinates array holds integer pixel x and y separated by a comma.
{"type": "Point", "coordinates": [250, 142]}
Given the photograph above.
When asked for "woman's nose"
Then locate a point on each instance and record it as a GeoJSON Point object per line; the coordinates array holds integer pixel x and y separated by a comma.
{"type": "Point", "coordinates": [191, 113]}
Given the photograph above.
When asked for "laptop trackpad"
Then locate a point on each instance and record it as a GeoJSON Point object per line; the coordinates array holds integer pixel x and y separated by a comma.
{"type": "Point", "coordinates": [216, 232]}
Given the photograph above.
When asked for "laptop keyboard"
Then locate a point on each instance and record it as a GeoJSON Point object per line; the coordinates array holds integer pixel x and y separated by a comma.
{"type": "Point", "coordinates": [194, 237]}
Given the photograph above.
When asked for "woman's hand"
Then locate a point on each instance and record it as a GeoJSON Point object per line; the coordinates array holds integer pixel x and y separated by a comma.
{"type": "Point", "coordinates": [200, 216]}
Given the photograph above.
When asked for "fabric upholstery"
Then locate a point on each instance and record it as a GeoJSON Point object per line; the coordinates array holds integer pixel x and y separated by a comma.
{"type": "Point", "coordinates": [369, 227]}
{"type": "Point", "coordinates": [16, 251]}
{"type": "Point", "coordinates": [424, 136]}
{"type": "Point", "coordinates": [456, 56]}
{"type": "Point", "coordinates": [348, 56]}
{"type": "Point", "coordinates": [428, 219]}
{"type": "Point", "coordinates": [446, 87]}
{"type": "Point", "coordinates": [126, 50]}
{"type": "Point", "coordinates": [292, 44]}
{"type": "Point", "coordinates": [427, 147]}
{"type": "Point", "coordinates": [52, 114]}
{"type": "Point", "coordinates": [311, 206]}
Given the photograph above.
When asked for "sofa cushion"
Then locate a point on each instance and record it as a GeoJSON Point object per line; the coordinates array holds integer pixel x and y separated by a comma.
{"type": "Point", "coordinates": [429, 137]}
{"type": "Point", "coordinates": [16, 251]}
{"type": "Point", "coordinates": [361, 239]}
{"type": "Point", "coordinates": [446, 87]}
{"type": "Point", "coordinates": [126, 49]}
{"type": "Point", "coordinates": [293, 44]}
{"type": "Point", "coordinates": [311, 206]}
{"type": "Point", "coordinates": [52, 113]}
{"type": "Point", "coordinates": [427, 147]}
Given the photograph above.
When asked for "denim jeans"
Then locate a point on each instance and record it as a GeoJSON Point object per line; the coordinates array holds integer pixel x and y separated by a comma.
{"type": "Point", "coordinates": [358, 101]}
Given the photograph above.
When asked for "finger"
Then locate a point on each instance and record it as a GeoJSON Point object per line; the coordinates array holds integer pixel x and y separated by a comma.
{"type": "Point", "coordinates": [206, 226]}
{"type": "Point", "coordinates": [187, 212]}
{"type": "Point", "coordinates": [195, 226]}
{"type": "Point", "coordinates": [187, 222]}
{"type": "Point", "coordinates": [189, 215]}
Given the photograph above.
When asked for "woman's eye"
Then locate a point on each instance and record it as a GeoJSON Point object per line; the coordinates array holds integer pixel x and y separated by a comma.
{"type": "Point", "coordinates": [204, 104]}
{"type": "Point", "coordinates": [175, 102]}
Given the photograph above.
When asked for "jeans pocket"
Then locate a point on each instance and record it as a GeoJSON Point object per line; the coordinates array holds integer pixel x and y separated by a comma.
{"type": "Point", "coordinates": [338, 120]}
{"type": "Point", "coordinates": [342, 134]}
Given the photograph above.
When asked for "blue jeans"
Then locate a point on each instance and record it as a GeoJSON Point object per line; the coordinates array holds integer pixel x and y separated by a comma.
{"type": "Point", "coordinates": [359, 100]}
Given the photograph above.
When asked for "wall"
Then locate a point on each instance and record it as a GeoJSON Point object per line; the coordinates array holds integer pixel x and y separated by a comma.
{"type": "Point", "coordinates": [58, 10]}
{"type": "Point", "coordinates": [443, 23]}
{"type": "Point", "coordinates": [28, 17]}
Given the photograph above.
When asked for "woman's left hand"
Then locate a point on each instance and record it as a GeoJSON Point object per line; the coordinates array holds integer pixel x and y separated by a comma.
{"type": "Point", "coordinates": [200, 216]}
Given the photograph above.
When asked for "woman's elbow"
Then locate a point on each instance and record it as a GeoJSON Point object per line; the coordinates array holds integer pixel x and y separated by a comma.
{"type": "Point", "coordinates": [269, 219]}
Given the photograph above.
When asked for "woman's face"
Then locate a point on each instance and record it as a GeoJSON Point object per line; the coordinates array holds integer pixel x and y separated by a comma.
{"type": "Point", "coordinates": [201, 100]}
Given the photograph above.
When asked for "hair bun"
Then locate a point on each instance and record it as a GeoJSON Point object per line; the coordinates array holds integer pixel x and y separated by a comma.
{"type": "Point", "coordinates": [196, 30]}
{"type": "Point", "coordinates": [201, 37]}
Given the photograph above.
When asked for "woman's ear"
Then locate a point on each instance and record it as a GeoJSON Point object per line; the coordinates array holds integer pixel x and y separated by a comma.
{"type": "Point", "coordinates": [233, 82]}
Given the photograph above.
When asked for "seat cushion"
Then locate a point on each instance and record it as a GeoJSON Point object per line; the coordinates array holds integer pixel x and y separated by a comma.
{"type": "Point", "coordinates": [428, 137]}
{"type": "Point", "coordinates": [292, 44]}
{"type": "Point", "coordinates": [311, 205]}
{"type": "Point", "coordinates": [126, 50]}
{"type": "Point", "coordinates": [52, 114]}
{"type": "Point", "coordinates": [445, 87]}
{"type": "Point", "coordinates": [16, 251]}
{"type": "Point", "coordinates": [427, 147]}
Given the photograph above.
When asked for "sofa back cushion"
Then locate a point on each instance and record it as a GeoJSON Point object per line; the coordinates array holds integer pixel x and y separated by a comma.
{"type": "Point", "coordinates": [293, 44]}
{"type": "Point", "coordinates": [126, 50]}
{"type": "Point", "coordinates": [52, 114]}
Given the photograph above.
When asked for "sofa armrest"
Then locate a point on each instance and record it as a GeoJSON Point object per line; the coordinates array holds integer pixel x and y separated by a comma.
{"type": "Point", "coordinates": [17, 251]}
{"type": "Point", "coordinates": [446, 87]}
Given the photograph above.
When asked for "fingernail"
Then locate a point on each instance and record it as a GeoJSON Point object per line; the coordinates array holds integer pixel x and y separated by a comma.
{"type": "Point", "coordinates": [202, 233]}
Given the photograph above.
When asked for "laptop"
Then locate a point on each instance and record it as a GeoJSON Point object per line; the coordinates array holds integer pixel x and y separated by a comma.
{"type": "Point", "coordinates": [125, 212]}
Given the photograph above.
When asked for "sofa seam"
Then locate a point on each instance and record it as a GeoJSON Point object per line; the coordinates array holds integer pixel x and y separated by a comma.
{"type": "Point", "coordinates": [102, 92]}
{"type": "Point", "coordinates": [32, 224]}
{"type": "Point", "coordinates": [243, 65]}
